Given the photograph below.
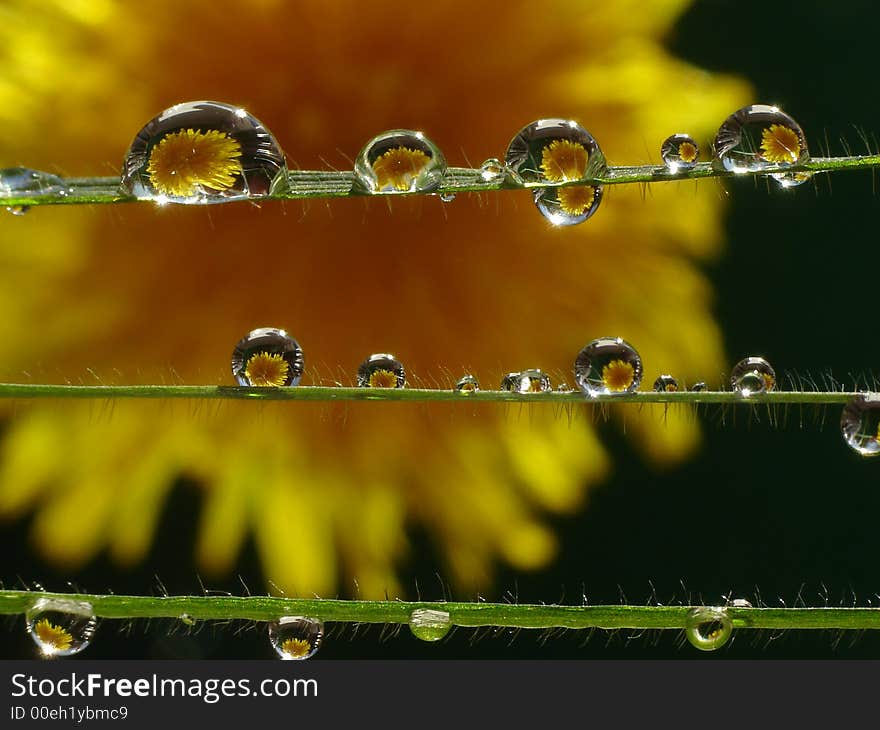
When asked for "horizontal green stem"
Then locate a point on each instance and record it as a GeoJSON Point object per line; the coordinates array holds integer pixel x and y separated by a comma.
{"type": "Point", "coordinates": [304, 184]}
{"type": "Point", "coordinates": [527, 616]}
{"type": "Point", "coordinates": [337, 393]}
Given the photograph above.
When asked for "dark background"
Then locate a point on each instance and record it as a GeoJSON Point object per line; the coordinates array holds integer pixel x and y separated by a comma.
{"type": "Point", "coordinates": [778, 514]}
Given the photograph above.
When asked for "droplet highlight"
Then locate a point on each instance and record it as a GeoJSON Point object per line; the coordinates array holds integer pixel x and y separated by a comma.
{"type": "Point", "coordinates": [528, 381]}
{"type": "Point", "coordinates": [558, 151]}
{"type": "Point", "coordinates": [267, 357]}
{"type": "Point", "coordinates": [429, 624]}
{"type": "Point", "coordinates": [203, 152]}
{"type": "Point", "coordinates": [762, 138]}
{"type": "Point", "coordinates": [399, 161]}
{"type": "Point", "coordinates": [59, 627]}
{"type": "Point", "coordinates": [608, 366]}
{"type": "Point", "coordinates": [467, 384]}
{"type": "Point", "coordinates": [296, 638]}
{"type": "Point", "coordinates": [708, 627]}
{"type": "Point", "coordinates": [752, 375]}
{"type": "Point", "coordinates": [680, 152]}
{"type": "Point", "coordinates": [860, 424]}
{"type": "Point", "coordinates": [381, 371]}
{"type": "Point", "coordinates": [666, 384]}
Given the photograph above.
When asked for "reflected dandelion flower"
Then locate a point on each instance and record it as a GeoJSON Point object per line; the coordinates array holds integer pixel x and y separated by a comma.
{"type": "Point", "coordinates": [187, 160]}
{"type": "Point", "coordinates": [780, 144]}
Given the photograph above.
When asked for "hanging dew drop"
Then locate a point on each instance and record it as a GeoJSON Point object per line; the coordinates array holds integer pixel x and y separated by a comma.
{"type": "Point", "coordinates": [399, 161]}
{"type": "Point", "coordinates": [60, 628]}
{"type": "Point", "coordinates": [608, 366]}
{"type": "Point", "coordinates": [467, 384]}
{"type": "Point", "coordinates": [558, 151]}
{"type": "Point", "coordinates": [679, 152]}
{"type": "Point", "coordinates": [429, 624]}
{"type": "Point", "coordinates": [17, 209]}
{"type": "Point", "coordinates": [762, 138]}
{"type": "Point", "coordinates": [296, 638]}
{"type": "Point", "coordinates": [447, 197]}
{"type": "Point", "coordinates": [267, 357]}
{"type": "Point", "coordinates": [381, 371]}
{"type": "Point", "coordinates": [708, 627]}
{"type": "Point", "coordinates": [666, 384]}
{"type": "Point", "coordinates": [752, 375]}
{"type": "Point", "coordinates": [860, 424]}
{"type": "Point", "coordinates": [527, 381]}
{"type": "Point", "coordinates": [203, 152]}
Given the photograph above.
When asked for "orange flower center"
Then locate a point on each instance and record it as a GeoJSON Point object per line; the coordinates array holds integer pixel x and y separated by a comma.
{"type": "Point", "coordinates": [576, 200]}
{"type": "Point", "coordinates": [618, 375]}
{"type": "Point", "coordinates": [398, 167]}
{"type": "Point", "coordinates": [564, 160]}
{"type": "Point", "coordinates": [383, 379]}
{"type": "Point", "coordinates": [297, 648]}
{"type": "Point", "coordinates": [187, 160]}
{"type": "Point", "coordinates": [780, 144]}
{"type": "Point", "coordinates": [53, 636]}
{"type": "Point", "coordinates": [265, 369]}
{"type": "Point", "coordinates": [687, 152]}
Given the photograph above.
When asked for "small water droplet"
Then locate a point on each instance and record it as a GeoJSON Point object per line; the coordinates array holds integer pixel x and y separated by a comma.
{"type": "Point", "coordinates": [558, 151]}
{"type": "Point", "coordinates": [680, 152]}
{"type": "Point", "coordinates": [860, 424]}
{"type": "Point", "coordinates": [761, 137]}
{"type": "Point", "coordinates": [740, 603]}
{"type": "Point", "coordinates": [467, 384]}
{"type": "Point", "coordinates": [608, 366]}
{"type": "Point", "coordinates": [429, 624]}
{"type": "Point", "coordinates": [708, 627]}
{"type": "Point", "coordinates": [59, 627]}
{"type": "Point", "coordinates": [186, 619]}
{"type": "Point", "coordinates": [527, 381]}
{"type": "Point", "coordinates": [296, 637]}
{"type": "Point", "coordinates": [666, 384]}
{"type": "Point", "coordinates": [697, 387]}
{"type": "Point", "coordinates": [18, 209]}
{"type": "Point", "coordinates": [267, 357]}
{"type": "Point", "coordinates": [752, 375]}
{"type": "Point", "coordinates": [399, 161]}
{"type": "Point", "coordinates": [381, 371]}
{"type": "Point", "coordinates": [19, 181]}
{"type": "Point", "coordinates": [493, 170]}
{"type": "Point", "coordinates": [203, 152]}
{"type": "Point", "coordinates": [447, 197]}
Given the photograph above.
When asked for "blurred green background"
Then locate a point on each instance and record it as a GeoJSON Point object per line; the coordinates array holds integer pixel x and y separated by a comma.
{"type": "Point", "coordinates": [778, 513]}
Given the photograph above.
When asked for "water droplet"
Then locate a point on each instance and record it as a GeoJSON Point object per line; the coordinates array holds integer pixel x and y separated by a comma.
{"type": "Point", "coordinates": [493, 170]}
{"type": "Point", "coordinates": [608, 366]}
{"type": "Point", "coordinates": [697, 387]}
{"type": "Point", "coordinates": [761, 137]}
{"type": "Point", "coordinates": [527, 381]}
{"type": "Point", "coordinates": [752, 375]}
{"type": "Point", "coordinates": [203, 152]}
{"type": "Point", "coordinates": [381, 371]}
{"type": "Point", "coordinates": [267, 357]}
{"type": "Point", "coordinates": [22, 181]}
{"type": "Point", "coordinates": [60, 627]}
{"type": "Point", "coordinates": [447, 197]}
{"type": "Point", "coordinates": [708, 627]}
{"type": "Point", "coordinates": [296, 637]}
{"type": "Point", "coordinates": [467, 384]}
{"type": "Point", "coordinates": [399, 161]}
{"type": "Point", "coordinates": [680, 152]}
{"type": "Point", "coordinates": [666, 384]}
{"type": "Point", "coordinates": [18, 209]}
{"type": "Point", "coordinates": [740, 603]}
{"type": "Point", "coordinates": [558, 151]}
{"type": "Point", "coordinates": [860, 424]}
{"type": "Point", "coordinates": [428, 624]}
{"type": "Point", "coordinates": [186, 619]}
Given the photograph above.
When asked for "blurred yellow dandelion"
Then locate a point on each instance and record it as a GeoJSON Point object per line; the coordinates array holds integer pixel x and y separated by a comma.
{"type": "Point", "coordinates": [51, 636]}
{"type": "Point", "coordinates": [780, 144]}
{"type": "Point", "coordinates": [267, 369]}
{"type": "Point", "coordinates": [184, 161]}
{"type": "Point", "coordinates": [398, 167]}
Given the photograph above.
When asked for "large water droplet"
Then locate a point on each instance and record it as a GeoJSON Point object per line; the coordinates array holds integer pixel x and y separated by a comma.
{"type": "Point", "coordinates": [558, 151]}
{"type": "Point", "coordinates": [761, 137]}
{"type": "Point", "coordinates": [680, 152]}
{"type": "Point", "coordinates": [666, 384]}
{"type": "Point", "coordinates": [429, 624]}
{"type": "Point", "coordinates": [381, 371]}
{"type": "Point", "coordinates": [267, 357]}
{"type": "Point", "coordinates": [527, 381]}
{"type": "Point", "coordinates": [296, 637]}
{"type": "Point", "coordinates": [203, 152]}
{"type": "Point", "coordinates": [399, 161]}
{"type": "Point", "coordinates": [467, 384]}
{"type": "Point", "coordinates": [708, 627]}
{"type": "Point", "coordinates": [752, 375]}
{"type": "Point", "coordinates": [22, 181]}
{"type": "Point", "coordinates": [860, 424]}
{"type": "Point", "coordinates": [608, 366]}
{"type": "Point", "coordinates": [59, 627]}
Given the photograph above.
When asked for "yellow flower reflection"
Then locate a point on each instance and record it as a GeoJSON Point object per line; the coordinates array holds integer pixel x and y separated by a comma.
{"type": "Point", "coordinates": [332, 493]}
{"type": "Point", "coordinates": [398, 167]}
{"type": "Point", "coordinates": [54, 638]}
{"type": "Point", "coordinates": [184, 161]}
{"type": "Point", "coordinates": [780, 144]}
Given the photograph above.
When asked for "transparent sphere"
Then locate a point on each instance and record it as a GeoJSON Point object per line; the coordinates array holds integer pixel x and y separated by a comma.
{"type": "Point", "coordinates": [267, 357]}
{"type": "Point", "coordinates": [399, 161]}
{"type": "Point", "coordinates": [467, 384]}
{"type": "Point", "coordinates": [558, 151]}
{"type": "Point", "coordinates": [708, 627]}
{"type": "Point", "coordinates": [608, 366]}
{"type": "Point", "coordinates": [761, 137]}
{"type": "Point", "coordinates": [860, 424]}
{"type": "Point", "coordinates": [666, 384]}
{"type": "Point", "coordinates": [381, 371]}
{"type": "Point", "coordinates": [60, 628]}
{"type": "Point", "coordinates": [296, 638]}
{"type": "Point", "coordinates": [752, 375]}
{"type": "Point", "coordinates": [203, 152]}
{"type": "Point", "coordinates": [527, 381]}
{"type": "Point", "coordinates": [679, 152]}
{"type": "Point", "coordinates": [429, 624]}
